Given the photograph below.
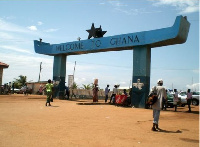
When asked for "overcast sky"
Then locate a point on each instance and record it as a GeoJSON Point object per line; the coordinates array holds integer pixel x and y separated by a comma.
{"type": "Point", "coordinates": [61, 21]}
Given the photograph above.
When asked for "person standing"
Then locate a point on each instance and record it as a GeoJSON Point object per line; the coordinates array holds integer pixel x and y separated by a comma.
{"type": "Point", "coordinates": [175, 99]}
{"type": "Point", "coordinates": [67, 92]}
{"type": "Point", "coordinates": [189, 99]}
{"type": "Point", "coordinates": [13, 87]}
{"type": "Point", "coordinates": [125, 93]}
{"type": "Point", "coordinates": [49, 89]}
{"type": "Point", "coordinates": [164, 102]}
{"type": "Point", "coordinates": [160, 91]}
{"type": "Point", "coordinates": [115, 91]}
{"type": "Point", "coordinates": [95, 93]}
{"type": "Point", "coordinates": [106, 93]}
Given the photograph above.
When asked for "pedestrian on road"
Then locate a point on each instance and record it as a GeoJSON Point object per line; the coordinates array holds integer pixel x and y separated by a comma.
{"type": "Point", "coordinates": [189, 99]}
{"type": "Point", "coordinates": [115, 92]}
{"type": "Point", "coordinates": [160, 91]}
{"type": "Point", "coordinates": [175, 100]}
{"type": "Point", "coordinates": [95, 93]}
{"type": "Point", "coordinates": [106, 93]}
{"type": "Point", "coordinates": [49, 89]}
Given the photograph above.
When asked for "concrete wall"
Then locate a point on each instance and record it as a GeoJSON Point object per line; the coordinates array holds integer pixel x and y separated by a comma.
{"type": "Point", "coordinates": [1, 75]}
{"type": "Point", "coordinates": [78, 92]}
{"type": "Point", "coordinates": [35, 86]}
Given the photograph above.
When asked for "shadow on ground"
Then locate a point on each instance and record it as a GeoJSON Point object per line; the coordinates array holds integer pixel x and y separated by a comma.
{"type": "Point", "coordinates": [92, 103]}
{"type": "Point", "coordinates": [190, 140]}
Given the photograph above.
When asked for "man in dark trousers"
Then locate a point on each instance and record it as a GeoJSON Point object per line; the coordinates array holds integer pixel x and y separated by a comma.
{"type": "Point", "coordinates": [189, 99]}
{"type": "Point", "coordinates": [106, 93]}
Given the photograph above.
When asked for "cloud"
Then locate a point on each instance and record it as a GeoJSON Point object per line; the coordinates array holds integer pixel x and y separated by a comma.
{"type": "Point", "coordinates": [9, 27]}
{"type": "Point", "coordinates": [136, 11]}
{"type": "Point", "coordinates": [117, 4]}
{"type": "Point", "coordinates": [14, 32]}
{"type": "Point", "coordinates": [6, 36]}
{"type": "Point", "coordinates": [183, 6]}
{"type": "Point", "coordinates": [102, 3]}
{"type": "Point", "coordinates": [194, 87]}
{"type": "Point", "coordinates": [32, 28]}
{"type": "Point", "coordinates": [14, 48]}
{"type": "Point", "coordinates": [10, 17]}
{"type": "Point", "coordinates": [39, 23]}
{"type": "Point", "coordinates": [27, 65]}
{"type": "Point", "coordinates": [51, 30]}
{"type": "Point", "coordinates": [121, 7]}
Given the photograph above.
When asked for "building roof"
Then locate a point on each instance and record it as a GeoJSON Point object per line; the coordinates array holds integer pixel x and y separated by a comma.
{"type": "Point", "coordinates": [4, 65]}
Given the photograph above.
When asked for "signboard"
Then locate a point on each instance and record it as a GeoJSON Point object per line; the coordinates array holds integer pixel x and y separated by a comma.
{"type": "Point", "coordinates": [120, 99]}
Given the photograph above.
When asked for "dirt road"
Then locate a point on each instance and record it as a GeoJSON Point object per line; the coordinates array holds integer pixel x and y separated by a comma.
{"type": "Point", "coordinates": [25, 121]}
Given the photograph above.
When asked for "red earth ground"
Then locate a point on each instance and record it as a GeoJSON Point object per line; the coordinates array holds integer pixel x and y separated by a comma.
{"type": "Point", "coordinates": [25, 121]}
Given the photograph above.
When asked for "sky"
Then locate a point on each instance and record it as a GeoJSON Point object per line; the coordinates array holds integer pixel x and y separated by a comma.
{"type": "Point", "coordinates": [62, 21]}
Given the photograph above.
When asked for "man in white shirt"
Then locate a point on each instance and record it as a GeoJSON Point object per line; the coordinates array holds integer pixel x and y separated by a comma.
{"type": "Point", "coordinates": [157, 106]}
{"type": "Point", "coordinates": [106, 93]}
{"type": "Point", "coordinates": [115, 91]}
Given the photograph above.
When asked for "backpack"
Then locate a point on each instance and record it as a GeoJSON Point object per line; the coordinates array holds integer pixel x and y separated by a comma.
{"type": "Point", "coordinates": [152, 99]}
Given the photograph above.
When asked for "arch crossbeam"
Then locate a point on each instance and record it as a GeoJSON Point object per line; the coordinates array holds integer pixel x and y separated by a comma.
{"type": "Point", "coordinates": [176, 34]}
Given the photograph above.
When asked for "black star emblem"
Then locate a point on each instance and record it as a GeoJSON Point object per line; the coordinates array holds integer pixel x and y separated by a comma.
{"type": "Point", "coordinates": [95, 32]}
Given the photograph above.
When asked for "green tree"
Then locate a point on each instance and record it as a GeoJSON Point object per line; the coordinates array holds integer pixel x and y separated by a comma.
{"type": "Point", "coordinates": [92, 86]}
{"type": "Point", "coordinates": [87, 87]}
{"type": "Point", "coordinates": [20, 81]}
{"type": "Point", "coordinates": [74, 86]}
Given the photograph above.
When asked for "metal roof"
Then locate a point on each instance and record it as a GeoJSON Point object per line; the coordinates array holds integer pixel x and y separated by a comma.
{"type": "Point", "coordinates": [4, 65]}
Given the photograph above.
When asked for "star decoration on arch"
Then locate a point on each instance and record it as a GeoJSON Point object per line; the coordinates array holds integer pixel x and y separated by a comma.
{"type": "Point", "coordinates": [95, 32]}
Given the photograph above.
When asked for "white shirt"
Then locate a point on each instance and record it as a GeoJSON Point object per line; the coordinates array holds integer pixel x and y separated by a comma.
{"type": "Point", "coordinates": [115, 91]}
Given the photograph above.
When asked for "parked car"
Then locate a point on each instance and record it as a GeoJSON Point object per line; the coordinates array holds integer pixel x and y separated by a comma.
{"type": "Point", "coordinates": [183, 95]}
{"type": "Point", "coordinates": [16, 90]}
{"type": "Point", "coordinates": [170, 100]}
{"type": "Point", "coordinates": [195, 98]}
{"type": "Point", "coordinates": [23, 89]}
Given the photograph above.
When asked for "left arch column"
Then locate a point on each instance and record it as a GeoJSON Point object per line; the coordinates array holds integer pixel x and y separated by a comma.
{"type": "Point", "coordinates": [59, 73]}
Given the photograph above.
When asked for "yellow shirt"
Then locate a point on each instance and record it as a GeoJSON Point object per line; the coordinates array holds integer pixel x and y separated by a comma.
{"type": "Point", "coordinates": [49, 87]}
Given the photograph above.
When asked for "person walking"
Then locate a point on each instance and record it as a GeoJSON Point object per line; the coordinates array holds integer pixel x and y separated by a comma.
{"type": "Point", "coordinates": [175, 99]}
{"type": "Point", "coordinates": [49, 89]}
{"type": "Point", "coordinates": [95, 93]}
{"type": "Point", "coordinates": [189, 99]}
{"type": "Point", "coordinates": [106, 93]}
{"type": "Point", "coordinates": [160, 91]}
{"type": "Point", "coordinates": [25, 89]}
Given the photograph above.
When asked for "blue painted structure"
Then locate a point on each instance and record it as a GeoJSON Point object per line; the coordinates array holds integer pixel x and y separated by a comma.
{"type": "Point", "coordinates": [140, 42]}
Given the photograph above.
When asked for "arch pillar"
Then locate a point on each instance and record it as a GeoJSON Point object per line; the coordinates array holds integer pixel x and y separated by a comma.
{"type": "Point", "coordinates": [141, 75]}
{"type": "Point", "coordinates": [59, 73]}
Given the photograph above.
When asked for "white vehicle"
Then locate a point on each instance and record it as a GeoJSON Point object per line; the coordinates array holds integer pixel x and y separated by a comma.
{"type": "Point", "coordinates": [16, 90]}
{"type": "Point", "coordinates": [195, 98]}
{"type": "Point", "coordinates": [183, 95]}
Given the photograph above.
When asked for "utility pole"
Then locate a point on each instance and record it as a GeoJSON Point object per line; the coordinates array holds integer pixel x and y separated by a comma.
{"type": "Point", "coordinates": [192, 83]}
{"type": "Point", "coordinates": [40, 71]}
{"type": "Point", "coordinates": [74, 72]}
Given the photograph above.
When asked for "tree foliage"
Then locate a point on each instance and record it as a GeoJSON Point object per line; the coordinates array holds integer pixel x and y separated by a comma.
{"type": "Point", "coordinates": [87, 87]}
{"type": "Point", "coordinates": [74, 86]}
{"type": "Point", "coordinates": [20, 81]}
